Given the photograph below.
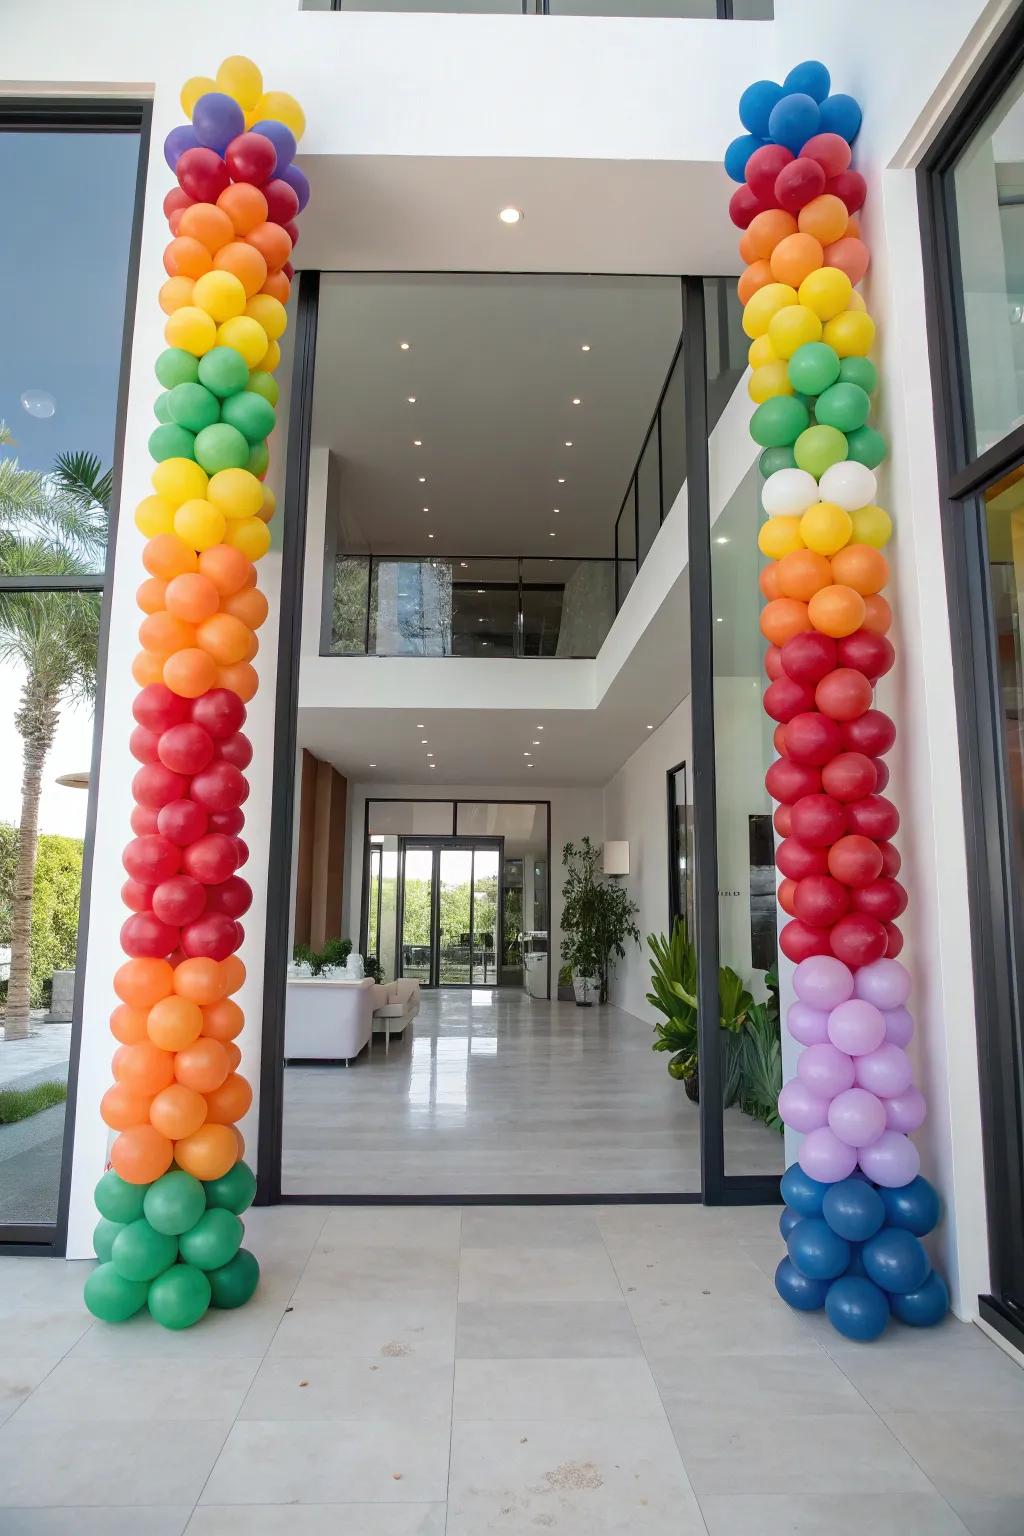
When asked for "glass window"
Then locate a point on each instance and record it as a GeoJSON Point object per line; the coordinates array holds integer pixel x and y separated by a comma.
{"type": "Point", "coordinates": [568, 606]}
{"type": "Point", "coordinates": [688, 9]}
{"type": "Point", "coordinates": [349, 598]}
{"type": "Point", "coordinates": [424, 818]}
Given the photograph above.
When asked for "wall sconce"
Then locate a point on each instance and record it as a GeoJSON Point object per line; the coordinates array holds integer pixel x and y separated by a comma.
{"type": "Point", "coordinates": [615, 858]}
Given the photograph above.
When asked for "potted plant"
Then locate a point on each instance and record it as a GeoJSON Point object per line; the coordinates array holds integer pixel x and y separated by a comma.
{"type": "Point", "coordinates": [674, 993]}
{"type": "Point", "coordinates": [323, 962]}
{"type": "Point", "coordinates": [597, 919]}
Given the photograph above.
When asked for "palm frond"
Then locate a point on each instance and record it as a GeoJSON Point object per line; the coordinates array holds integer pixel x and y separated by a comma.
{"type": "Point", "coordinates": [80, 476]}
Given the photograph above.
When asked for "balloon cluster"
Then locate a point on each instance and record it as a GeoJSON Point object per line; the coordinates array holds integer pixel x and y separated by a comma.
{"type": "Point", "coordinates": [853, 1247]}
{"type": "Point", "coordinates": [169, 1235]}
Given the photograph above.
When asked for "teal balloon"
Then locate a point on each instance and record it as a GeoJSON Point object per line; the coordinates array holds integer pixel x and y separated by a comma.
{"type": "Point", "coordinates": [174, 1203]}
{"type": "Point", "coordinates": [161, 408]}
{"type": "Point", "coordinates": [860, 371]}
{"type": "Point", "coordinates": [818, 449]}
{"type": "Point", "coordinates": [223, 370]}
{"type": "Point", "coordinates": [179, 1297]}
{"type": "Point", "coordinates": [259, 458]}
{"type": "Point", "coordinates": [103, 1235]}
{"type": "Point", "coordinates": [139, 1252]}
{"type": "Point", "coordinates": [251, 414]}
{"type": "Point", "coordinates": [176, 366]}
{"type": "Point", "coordinates": [778, 422]}
{"type": "Point", "coordinates": [193, 407]}
{"type": "Point", "coordinates": [813, 368]}
{"type": "Point", "coordinates": [868, 447]}
{"type": "Point", "coordinates": [235, 1191]}
{"type": "Point", "coordinates": [112, 1298]}
{"type": "Point", "coordinates": [264, 384]}
{"type": "Point", "coordinates": [215, 1238]}
{"type": "Point", "coordinates": [234, 1282]}
{"type": "Point", "coordinates": [118, 1200]}
{"type": "Point", "coordinates": [775, 458]}
{"type": "Point", "coordinates": [221, 447]}
{"type": "Point", "coordinates": [845, 406]}
{"type": "Point", "coordinates": [171, 442]}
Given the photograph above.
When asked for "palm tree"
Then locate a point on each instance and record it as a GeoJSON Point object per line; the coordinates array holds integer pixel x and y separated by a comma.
{"type": "Point", "coordinates": [52, 525]}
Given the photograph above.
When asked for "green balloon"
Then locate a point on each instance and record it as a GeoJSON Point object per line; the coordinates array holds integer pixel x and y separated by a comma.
{"type": "Point", "coordinates": [176, 366]}
{"type": "Point", "coordinates": [179, 1297]}
{"type": "Point", "coordinates": [221, 447]}
{"type": "Point", "coordinates": [775, 458]}
{"type": "Point", "coordinates": [813, 367]}
{"type": "Point", "coordinates": [845, 406]}
{"type": "Point", "coordinates": [141, 1253]}
{"type": "Point", "coordinates": [162, 408]}
{"type": "Point", "coordinates": [213, 1240]}
{"type": "Point", "coordinates": [103, 1235]}
{"type": "Point", "coordinates": [259, 458]}
{"type": "Point", "coordinates": [171, 442]}
{"type": "Point", "coordinates": [264, 384]}
{"type": "Point", "coordinates": [174, 1203]}
{"type": "Point", "coordinates": [118, 1200]}
{"type": "Point", "coordinates": [223, 370]}
{"type": "Point", "coordinates": [861, 371]}
{"type": "Point", "coordinates": [868, 447]}
{"type": "Point", "coordinates": [235, 1191]}
{"type": "Point", "coordinates": [250, 413]}
{"type": "Point", "coordinates": [818, 449]}
{"type": "Point", "coordinates": [234, 1282]}
{"type": "Point", "coordinates": [193, 407]}
{"type": "Point", "coordinates": [778, 422]}
{"type": "Point", "coordinates": [112, 1298]}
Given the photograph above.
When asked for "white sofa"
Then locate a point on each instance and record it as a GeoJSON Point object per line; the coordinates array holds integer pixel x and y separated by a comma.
{"type": "Point", "coordinates": [395, 1005]}
{"type": "Point", "coordinates": [327, 1019]}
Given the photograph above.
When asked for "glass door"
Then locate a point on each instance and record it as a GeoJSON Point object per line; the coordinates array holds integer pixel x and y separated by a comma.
{"type": "Point", "coordinates": [484, 926]}
{"type": "Point", "coordinates": [455, 917]}
{"type": "Point", "coordinates": [419, 934]}
{"type": "Point", "coordinates": [450, 912]}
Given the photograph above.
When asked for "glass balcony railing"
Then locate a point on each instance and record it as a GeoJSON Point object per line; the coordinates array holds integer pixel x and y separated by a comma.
{"type": "Point", "coordinates": [686, 10]}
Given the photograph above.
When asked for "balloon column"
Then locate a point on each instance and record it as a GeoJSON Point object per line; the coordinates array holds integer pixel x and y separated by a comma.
{"type": "Point", "coordinates": [170, 1236]}
{"type": "Point", "coordinates": [856, 1206]}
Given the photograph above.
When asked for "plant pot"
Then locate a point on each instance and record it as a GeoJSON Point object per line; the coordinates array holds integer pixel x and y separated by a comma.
{"type": "Point", "coordinates": [584, 990]}
{"type": "Point", "coordinates": [692, 1086]}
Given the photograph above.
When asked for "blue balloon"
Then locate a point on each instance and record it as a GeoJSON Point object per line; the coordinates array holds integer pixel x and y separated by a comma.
{"type": "Point", "coordinates": [856, 1308]}
{"type": "Point", "coordinates": [915, 1206]}
{"type": "Point", "coordinates": [756, 105]}
{"type": "Point", "coordinates": [738, 153]}
{"type": "Point", "coordinates": [816, 1250]}
{"type": "Point", "coordinates": [282, 138]}
{"type": "Point", "coordinates": [924, 1307]}
{"type": "Point", "coordinates": [794, 120]}
{"type": "Point", "coordinates": [787, 1221]}
{"type": "Point", "coordinates": [811, 78]}
{"type": "Point", "coordinates": [856, 1264]}
{"type": "Point", "coordinates": [842, 115]}
{"type": "Point", "coordinates": [296, 179]}
{"type": "Point", "coordinates": [853, 1209]}
{"type": "Point", "coordinates": [895, 1260]}
{"type": "Point", "coordinates": [802, 1193]}
{"type": "Point", "coordinates": [177, 141]}
{"type": "Point", "coordinates": [797, 1290]}
{"type": "Point", "coordinates": [217, 119]}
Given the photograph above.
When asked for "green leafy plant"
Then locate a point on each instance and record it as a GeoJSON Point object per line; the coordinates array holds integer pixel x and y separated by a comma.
{"type": "Point", "coordinates": [331, 958]}
{"type": "Point", "coordinates": [674, 993]}
{"type": "Point", "coordinates": [761, 1064]}
{"type": "Point", "coordinates": [598, 916]}
{"type": "Point", "coordinates": [374, 969]}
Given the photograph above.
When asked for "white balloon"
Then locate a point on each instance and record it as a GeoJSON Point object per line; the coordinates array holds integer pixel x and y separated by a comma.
{"type": "Point", "coordinates": [789, 492]}
{"type": "Point", "coordinates": [38, 403]}
{"type": "Point", "coordinates": [849, 484]}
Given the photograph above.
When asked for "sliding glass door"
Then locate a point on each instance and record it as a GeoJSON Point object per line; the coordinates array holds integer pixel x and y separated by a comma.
{"type": "Point", "coordinates": [450, 912]}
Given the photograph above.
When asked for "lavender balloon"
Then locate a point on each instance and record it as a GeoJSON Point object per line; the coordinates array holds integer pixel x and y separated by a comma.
{"type": "Point", "coordinates": [825, 1158]}
{"type": "Point", "coordinates": [886, 983]}
{"type": "Point", "coordinates": [806, 1024]}
{"type": "Point", "coordinates": [891, 1161]}
{"type": "Point", "coordinates": [217, 119]}
{"type": "Point", "coordinates": [886, 1071]}
{"type": "Point", "coordinates": [899, 1026]}
{"type": "Point", "coordinates": [296, 179]}
{"type": "Point", "coordinates": [856, 1027]}
{"type": "Point", "coordinates": [905, 1111]}
{"type": "Point", "coordinates": [800, 1108]}
{"type": "Point", "coordinates": [823, 982]}
{"type": "Point", "coordinates": [857, 1117]}
{"type": "Point", "coordinates": [177, 141]}
{"type": "Point", "coordinates": [283, 140]}
{"type": "Point", "coordinates": [825, 1070]}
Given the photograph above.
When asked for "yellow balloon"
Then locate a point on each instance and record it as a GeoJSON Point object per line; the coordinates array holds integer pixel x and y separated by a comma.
{"type": "Point", "coordinates": [793, 326]}
{"type": "Point", "coordinates": [271, 358]}
{"type": "Point", "coordinates": [269, 506]}
{"type": "Point", "coordinates": [199, 524]}
{"type": "Point", "coordinates": [826, 291]}
{"type": "Point", "coordinates": [779, 536]}
{"type": "Point", "coordinates": [221, 294]}
{"type": "Point", "coordinates": [856, 301]}
{"type": "Point", "coordinates": [283, 109]}
{"type": "Point", "coordinates": [178, 480]}
{"type": "Point", "coordinates": [871, 525]}
{"type": "Point", "coordinates": [762, 305]}
{"type": "Point", "coordinates": [191, 329]}
{"type": "Point", "coordinates": [826, 528]}
{"type": "Point", "coordinates": [761, 351]}
{"type": "Point", "coordinates": [236, 493]}
{"type": "Point", "coordinates": [154, 515]}
{"type": "Point", "coordinates": [240, 78]}
{"type": "Point", "coordinates": [247, 336]}
{"type": "Point", "coordinates": [769, 380]}
{"type": "Point", "coordinates": [176, 293]}
{"type": "Point", "coordinates": [251, 535]}
{"type": "Point", "coordinates": [251, 119]}
{"type": "Point", "coordinates": [268, 312]}
{"type": "Point", "coordinates": [192, 90]}
{"type": "Point", "coordinates": [851, 333]}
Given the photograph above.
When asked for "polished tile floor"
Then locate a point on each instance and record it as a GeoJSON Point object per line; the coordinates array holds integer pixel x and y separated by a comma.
{"type": "Point", "coordinates": [496, 1093]}
{"type": "Point", "coordinates": [411, 1371]}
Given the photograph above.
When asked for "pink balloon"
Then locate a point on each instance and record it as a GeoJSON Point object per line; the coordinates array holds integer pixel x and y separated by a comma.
{"type": "Point", "coordinates": [886, 983]}
{"type": "Point", "coordinates": [857, 1117]}
{"type": "Point", "coordinates": [905, 1111]}
{"type": "Point", "coordinates": [899, 1026]}
{"type": "Point", "coordinates": [825, 1158]}
{"type": "Point", "coordinates": [856, 1027]}
{"type": "Point", "coordinates": [886, 1071]}
{"type": "Point", "coordinates": [800, 1108]}
{"type": "Point", "coordinates": [823, 981]}
{"type": "Point", "coordinates": [806, 1024]}
{"type": "Point", "coordinates": [891, 1161]}
{"type": "Point", "coordinates": [825, 1070]}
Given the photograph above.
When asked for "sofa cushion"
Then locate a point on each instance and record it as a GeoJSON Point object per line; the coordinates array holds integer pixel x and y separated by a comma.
{"type": "Point", "coordinates": [403, 990]}
{"type": "Point", "coordinates": [391, 1011]}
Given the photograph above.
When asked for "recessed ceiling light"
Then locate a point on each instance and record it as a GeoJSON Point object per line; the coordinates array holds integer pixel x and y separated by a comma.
{"type": "Point", "coordinates": [479, 621]}
{"type": "Point", "coordinates": [426, 509]}
{"type": "Point", "coordinates": [481, 591]}
{"type": "Point", "coordinates": [526, 754]}
{"type": "Point", "coordinates": [719, 621]}
{"type": "Point", "coordinates": [431, 765]}
{"type": "Point", "coordinates": [561, 479]}
{"type": "Point", "coordinates": [417, 442]}
{"type": "Point", "coordinates": [419, 725]}
{"type": "Point", "coordinates": [585, 347]}
{"type": "Point", "coordinates": [404, 346]}
{"type": "Point", "coordinates": [430, 535]}
{"type": "Point", "coordinates": [568, 444]}
{"type": "Point", "coordinates": [650, 727]}
{"type": "Point", "coordinates": [540, 727]}
{"type": "Point", "coordinates": [723, 538]}
{"type": "Point", "coordinates": [556, 510]}
{"type": "Point", "coordinates": [529, 765]}
{"type": "Point", "coordinates": [424, 740]}
{"type": "Point", "coordinates": [411, 399]}
{"type": "Point", "coordinates": [550, 535]}
{"type": "Point", "coordinates": [373, 765]}
{"type": "Point", "coordinates": [536, 743]}
{"type": "Point", "coordinates": [577, 400]}
{"type": "Point", "coordinates": [483, 642]}
{"type": "Point", "coordinates": [511, 215]}
{"type": "Point", "coordinates": [430, 754]}
{"type": "Point", "coordinates": [423, 479]}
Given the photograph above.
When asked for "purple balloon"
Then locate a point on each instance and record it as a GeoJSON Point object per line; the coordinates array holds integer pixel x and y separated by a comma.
{"type": "Point", "coordinates": [823, 982]}
{"type": "Point", "coordinates": [856, 1027]}
{"type": "Point", "coordinates": [886, 983]}
{"type": "Point", "coordinates": [905, 1111]}
{"type": "Point", "coordinates": [899, 1026]}
{"type": "Point", "coordinates": [825, 1070]}
{"type": "Point", "coordinates": [177, 141]}
{"type": "Point", "coordinates": [283, 140]}
{"type": "Point", "coordinates": [217, 119]}
{"type": "Point", "coordinates": [891, 1161]}
{"type": "Point", "coordinates": [806, 1024]}
{"type": "Point", "coordinates": [296, 179]}
{"type": "Point", "coordinates": [825, 1158]}
{"type": "Point", "coordinates": [857, 1117]}
{"type": "Point", "coordinates": [800, 1108]}
{"type": "Point", "coordinates": [886, 1071]}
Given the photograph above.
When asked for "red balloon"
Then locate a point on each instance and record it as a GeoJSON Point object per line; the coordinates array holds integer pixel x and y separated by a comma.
{"type": "Point", "coordinates": [830, 150]}
{"type": "Point", "coordinates": [818, 820]}
{"type": "Point", "coordinates": [821, 900]}
{"type": "Point", "coordinates": [763, 169]}
{"type": "Point", "coordinates": [809, 657]}
{"type": "Point", "coordinates": [787, 781]}
{"type": "Point", "coordinates": [251, 158]}
{"type": "Point", "coordinates": [214, 935]}
{"type": "Point", "coordinates": [179, 900]}
{"type": "Point", "coordinates": [867, 652]}
{"type": "Point", "coordinates": [220, 787]}
{"type": "Point", "coordinates": [237, 749]}
{"type": "Point", "coordinates": [873, 733]}
{"type": "Point", "coordinates": [241, 850]}
{"type": "Point", "coordinates": [855, 860]}
{"type": "Point", "coordinates": [156, 785]}
{"type": "Point", "coordinates": [858, 940]}
{"type": "Point", "coordinates": [233, 896]}
{"type": "Point", "coordinates": [151, 859]}
{"type": "Point", "coordinates": [230, 822]}
{"type": "Point", "coordinates": [881, 774]}
{"type": "Point", "coordinates": [779, 740]}
{"type": "Point", "coordinates": [799, 941]}
{"type": "Point", "coordinates": [813, 738]}
{"type": "Point", "coordinates": [288, 270]}
{"type": "Point", "coordinates": [798, 183]}
{"type": "Point", "coordinates": [844, 694]}
{"type": "Point", "coordinates": [282, 201]}
{"type": "Point", "coordinates": [849, 776]}
{"type": "Point", "coordinates": [176, 201]}
{"type": "Point", "coordinates": [142, 744]}
{"type": "Point", "coordinates": [893, 941]}
{"type": "Point", "coordinates": [773, 662]}
{"type": "Point", "coordinates": [136, 896]}
{"type": "Point", "coordinates": [797, 860]}
{"type": "Point", "coordinates": [743, 205]}
{"type": "Point", "coordinates": [883, 898]}
{"type": "Point", "coordinates": [782, 820]}
{"type": "Point", "coordinates": [220, 711]}
{"type": "Point", "coordinates": [183, 821]}
{"type": "Point", "coordinates": [786, 895]}
{"type": "Point", "coordinates": [144, 936]}
{"type": "Point", "coordinates": [291, 229]}
{"type": "Point", "coordinates": [210, 859]}
{"type": "Point", "coordinates": [156, 707]}
{"type": "Point", "coordinates": [186, 748]}
{"type": "Point", "coordinates": [143, 820]}
{"type": "Point", "coordinates": [891, 860]}
{"type": "Point", "coordinates": [783, 699]}
{"type": "Point", "coordinates": [202, 174]}
{"type": "Point", "coordinates": [873, 817]}
{"type": "Point", "coordinates": [851, 187]}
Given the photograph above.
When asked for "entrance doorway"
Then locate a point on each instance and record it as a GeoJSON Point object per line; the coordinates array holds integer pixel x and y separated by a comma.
{"type": "Point", "coordinates": [451, 911]}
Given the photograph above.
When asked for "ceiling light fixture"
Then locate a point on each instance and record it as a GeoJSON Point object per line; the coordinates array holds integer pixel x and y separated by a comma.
{"type": "Point", "coordinates": [430, 535]}
{"type": "Point", "coordinates": [426, 509]}
{"type": "Point", "coordinates": [419, 725]}
{"type": "Point", "coordinates": [561, 479]}
{"type": "Point", "coordinates": [431, 765]}
{"type": "Point", "coordinates": [536, 743]}
{"type": "Point", "coordinates": [424, 740]}
{"type": "Point", "coordinates": [550, 535]}
{"type": "Point", "coordinates": [373, 765]}
{"type": "Point", "coordinates": [585, 347]}
{"type": "Point", "coordinates": [723, 538]}
{"type": "Point", "coordinates": [417, 442]}
{"type": "Point", "coordinates": [423, 479]}
{"type": "Point", "coordinates": [650, 727]}
{"type": "Point", "coordinates": [556, 510]}
{"type": "Point", "coordinates": [511, 215]}
{"type": "Point", "coordinates": [526, 754]}
{"type": "Point", "coordinates": [404, 346]}
{"type": "Point", "coordinates": [540, 727]}
{"type": "Point", "coordinates": [568, 444]}
{"type": "Point", "coordinates": [719, 621]}
{"type": "Point", "coordinates": [411, 399]}
{"type": "Point", "coordinates": [464, 564]}
{"type": "Point", "coordinates": [577, 400]}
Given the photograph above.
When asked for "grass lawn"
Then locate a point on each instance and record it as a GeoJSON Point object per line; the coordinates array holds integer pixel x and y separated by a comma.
{"type": "Point", "coordinates": [19, 1103]}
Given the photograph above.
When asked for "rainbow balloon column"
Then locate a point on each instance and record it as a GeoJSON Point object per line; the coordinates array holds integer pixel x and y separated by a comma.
{"type": "Point", "coordinates": [856, 1207]}
{"type": "Point", "coordinates": [170, 1235]}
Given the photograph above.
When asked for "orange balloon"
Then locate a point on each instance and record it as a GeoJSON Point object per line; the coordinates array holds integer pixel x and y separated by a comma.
{"type": "Point", "coordinates": [141, 1154]}
{"type": "Point", "coordinates": [802, 573]}
{"type": "Point", "coordinates": [143, 1067]}
{"type": "Point", "coordinates": [252, 648]}
{"type": "Point", "coordinates": [877, 614]}
{"type": "Point", "coordinates": [240, 678]}
{"type": "Point", "coordinates": [208, 224]}
{"type": "Point", "coordinates": [190, 672]}
{"type": "Point", "coordinates": [245, 262]}
{"type": "Point", "coordinates": [234, 1056]}
{"type": "Point", "coordinates": [850, 255]}
{"type": "Point", "coordinates": [141, 983]}
{"type": "Point", "coordinates": [227, 568]}
{"type": "Point", "coordinates": [151, 596]}
{"type": "Point", "coordinates": [861, 567]}
{"type": "Point", "coordinates": [756, 276]}
{"type": "Point", "coordinates": [824, 217]}
{"type": "Point", "coordinates": [186, 257]}
{"type": "Point", "coordinates": [192, 597]}
{"type": "Point", "coordinates": [223, 1020]}
{"type": "Point", "coordinates": [232, 974]}
{"type": "Point", "coordinates": [768, 580]}
{"type": "Point", "coordinates": [783, 618]}
{"type": "Point", "coordinates": [147, 668]}
{"type": "Point", "coordinates": [225, 638]}
{"type": "Point", "coordinates": [203, 1065]}
{"type": "Point", "coordinates": [239, 1144]}
{"type": "Point", "coordinates": [176, 293]}
{"type": "Point", "coordinates": [164, 634]}
{"type": "Point", "coordinates": [250, 578]}
{"type": "Point", "coordinates": [167, 556]}
{"type": "Point", "coordinates": [128, 1024]}
{"type": "Point", "coordinates": [852, 227]}
{"type": "Point", "coordinates": [795, 258]}
{"type": "Point", "coordinates": [121, 1107]}
{"type": "Point", "coordinates": [174, 1022]}
{"type": "Point", "coordinates": [273, 244]}
{"type": "Point", "coordinates": [836, 611]}
{"type": "Point", "coordinates": [177, 1111]}
{"type": "Point", "coordinates": [207, 1153]}
{"type": "Point", "coordinates": [250, 606]}
{"type": "Point", "coordinates": [244, 205]}
{"type": "Point", "coordinates": [230, 1101]}
{"type": "Point", "coordinates": [199, 980]}
{"type": "Point", "coordinates": [278, 286]}
{"type": "Point", "coordinates": [766, 230]}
